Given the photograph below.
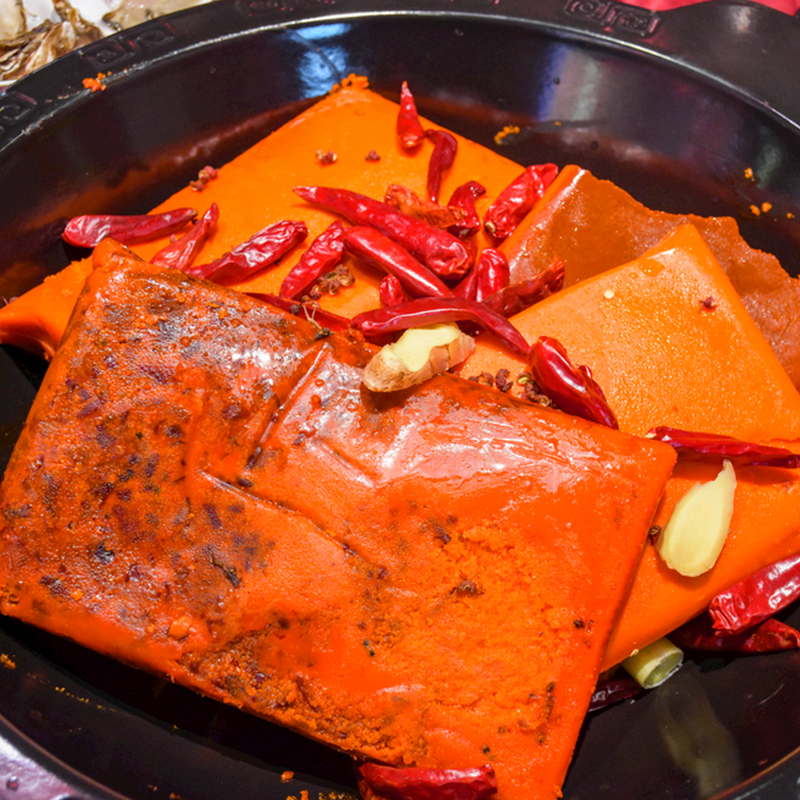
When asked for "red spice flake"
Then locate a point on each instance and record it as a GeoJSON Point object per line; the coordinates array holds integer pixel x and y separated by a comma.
{"type": "Point", "coordinates": [95, 84]}
{"type": "Point", "coordinates": [326, 157]}
{"type": "Point", "coordinates": [755, 211]}
{"type": "Point", "coordinates": [287, 776]}
{"type": "Point", "coordinates": [372, 156]}
{"type": "Point", "coordinates": [709, 304]}
{"type": "Point", "coordinates": [203, 177]}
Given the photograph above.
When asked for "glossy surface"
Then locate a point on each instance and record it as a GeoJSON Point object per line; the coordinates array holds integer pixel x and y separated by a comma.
{"type": "Point", "coordinates": [673, 136]}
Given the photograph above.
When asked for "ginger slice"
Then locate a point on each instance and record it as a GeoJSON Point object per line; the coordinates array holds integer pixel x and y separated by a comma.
{"type": "Point", "coordinates": [418, 355]}
{"type": "Point", "coordinates": [695, 534]}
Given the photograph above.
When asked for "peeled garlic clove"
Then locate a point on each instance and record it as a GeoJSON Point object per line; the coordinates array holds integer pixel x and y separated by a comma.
{"type": "Point", "coordinates": [695, 534]}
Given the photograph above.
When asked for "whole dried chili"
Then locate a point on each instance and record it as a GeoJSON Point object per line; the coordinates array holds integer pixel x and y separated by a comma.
{"type": "Point", "coordinates": [757, 597]}
{"type": "Point", "coordinates": [321, 256]}
{"type": "Point", "coordinates": [409, 128]}
{"type": "Point", "coordinates": [418, 783]}
{"type": "Point", "coordinates": [391, 291]}
{"type": "Point", "coordinates": [444, 152]}
{"type": "Point", "coordinates": [768, 636]}
{"type": "Point", "coordinates": [261, 250]}
{"type": "Point", "coordinates": [467, 286]}
{"type": "Point", "coordinates": [387, 254]}
{"type": "Point", "coordinates": [517, 199]}
{"type": "Point", "coordinates": [613, 690]}
{"type": "Point", "coordinates": [439, 250]}
{"type": "Point", "coordinates": [180, 253]}
{"type": "Point", "coordinates": [492, 273]}
{"type": "Point", "coordinates": [90, 229]}
{"type": "Point", "coordinates": [573, 389]}
{"type": "Point", "coordinates": [464, 198]}
{"type": "Point", "coordinates": [697, 446]}
{"type": "Point", "coordinates": [409, 203]}
{"type": "Point", "coordinates": [519, 296]}
{"type": "Point", "coordinates": [325, 320]}
{"type": "Point", "coordinates": [431, 310]}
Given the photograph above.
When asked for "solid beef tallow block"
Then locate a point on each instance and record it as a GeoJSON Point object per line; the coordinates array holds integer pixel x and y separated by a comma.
{"type": "Point", "coordinates": [205, 489]}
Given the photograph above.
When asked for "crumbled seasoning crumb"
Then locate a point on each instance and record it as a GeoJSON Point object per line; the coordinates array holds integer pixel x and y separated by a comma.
{"type": "Point", "coordinates": [95, 84]}
{"type": "Point", "coordinates": [287, 776]}
{"type": "Point", "coordinates": [326, 158]}
{"type": "Point", "coordinates": [304, 795]}
{"type": "Point", "coordinates": [765, 207]}
{"type": "Point", "coordinates": [508, 130]}
{"type": "Point", "coordinates": [755, 211]}
{"type": "Point", "coordinates": [709, 304]}
{"type": "Point", "coordinates": [372, 156]}
{"type": "Point", "coordinates": [7, 662]}
{"type": "Point", "coordinates": [748, 173]}
{"type": "Point", "coordinates": [789, 215]}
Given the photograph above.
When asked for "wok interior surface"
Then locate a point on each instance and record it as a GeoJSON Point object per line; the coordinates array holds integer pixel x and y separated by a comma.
{"type": "Point", "coordinates": [722, 726]}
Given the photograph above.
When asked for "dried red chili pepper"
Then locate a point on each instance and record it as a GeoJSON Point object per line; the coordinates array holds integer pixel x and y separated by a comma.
{"type": "Point", "coordinates": [321, 256]}
{"type": "Point", "coordinates": [444, 152]}
{"type": "Point", "coordinates": [492, 273]}
{"type": "Point", "coordinates": [517, 199]}
{"type": "Point", "coordinates": [757, 597]}
{"type": "Point", "coordinates": [325, 320]}
{"type": "Point", "coordinates": [418, 783]}
{"type": "Point", "coordinates": [519, 296]}
{"type": "Point", "coordinates": [768, 636]}
{"type": "Point", "coordinates": [409, 203]}
{"type": "Point", "coordinates": [90, 229]}
{"type": "Point", "coordinates": [261, 250]}
{"type": "Point", "coordinates": [387, 254]}
{"type": "Point", "coordinates": [573, 389]}
{"type": "Point", "coordinates": [467, 286]}
{"type": "Point", "coordinates": [697, 446]}
{"type": "Point", "coordinates": [180, 253]}
{"type": "Point", "coordinates": [391, 291]}
{"type": "Point", "coordinates": [613, 690]}
{"type": "Point", "coordinates": [409, 128]}
{"type": "Point", "coordinates": [464, 198]}
{"type": "Point", "coordinates": [431, 310]}
{"type": "Point", "coordinates": [439, 250]}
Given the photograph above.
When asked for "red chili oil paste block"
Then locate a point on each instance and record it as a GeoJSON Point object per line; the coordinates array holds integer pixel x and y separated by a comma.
{"type": "Point", "coordinates": [592, 225]}
{"type": "Point", "coordinates": [204, 489]}
{"type": "Point", "coordinates": [670, 343]}
{"type": "Point", "coordinates": [256, 190]}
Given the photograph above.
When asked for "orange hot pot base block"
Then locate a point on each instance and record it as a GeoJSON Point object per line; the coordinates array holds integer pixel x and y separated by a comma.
{"type": "Point", "coordinates": [614, 228]}
{"type": "Point", "coordinates": [255, 190]}
{"type": "Point", "coordinates": [664, 359]}
{"type": "Point", "coordinates": [204, 489]}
